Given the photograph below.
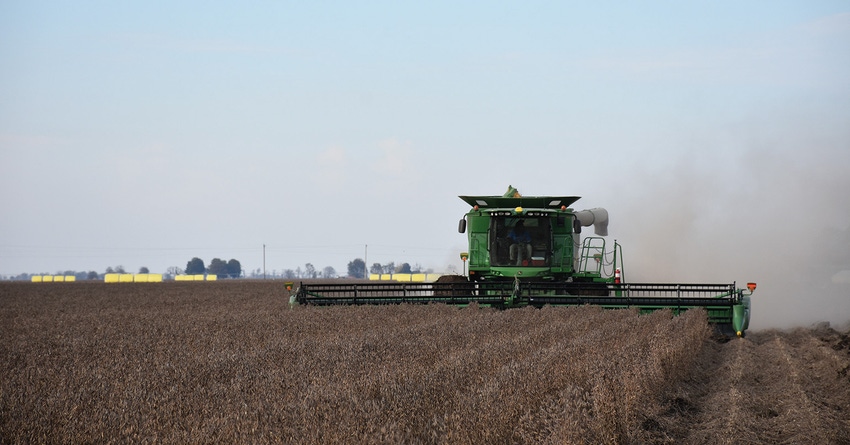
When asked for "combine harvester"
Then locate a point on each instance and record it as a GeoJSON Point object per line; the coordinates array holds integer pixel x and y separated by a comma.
{"type": "Point", "coordinates": [528, 251]}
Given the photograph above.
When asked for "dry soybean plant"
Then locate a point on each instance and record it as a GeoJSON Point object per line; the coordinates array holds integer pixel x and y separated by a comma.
{"type": "Point", "coordinates": [230, 362]}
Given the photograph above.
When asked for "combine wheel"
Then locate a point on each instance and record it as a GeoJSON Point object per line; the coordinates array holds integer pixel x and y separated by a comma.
{"type": "Point", "coordinates": [446, 291]}
{"type": "Point", "coordinates": [591, 289]}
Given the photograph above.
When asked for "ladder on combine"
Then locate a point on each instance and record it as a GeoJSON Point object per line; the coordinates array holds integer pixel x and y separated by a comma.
{"type": "Point", "coordinates": [595, 261]}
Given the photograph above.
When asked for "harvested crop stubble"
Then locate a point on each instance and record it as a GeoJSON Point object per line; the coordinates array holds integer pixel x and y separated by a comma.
{"type": "Point", "coordinates": [775, 387]}
{"type": "Point", "coordinates": [230, 362]}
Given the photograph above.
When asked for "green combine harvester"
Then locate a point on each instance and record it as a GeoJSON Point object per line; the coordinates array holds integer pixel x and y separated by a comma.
{"type": "Point", "coordinates": [528, 251]}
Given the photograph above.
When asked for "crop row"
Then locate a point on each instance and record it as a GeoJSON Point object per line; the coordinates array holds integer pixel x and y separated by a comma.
{"type": "Point", "coordinates": [232, 363]}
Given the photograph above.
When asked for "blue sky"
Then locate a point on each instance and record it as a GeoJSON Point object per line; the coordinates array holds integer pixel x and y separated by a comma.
{"type": "Point", "coordinates": [715, 133]}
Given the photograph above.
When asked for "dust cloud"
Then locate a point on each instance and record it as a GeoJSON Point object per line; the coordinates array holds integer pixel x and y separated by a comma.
{"type": "Point", "coordinates": [777, 217]}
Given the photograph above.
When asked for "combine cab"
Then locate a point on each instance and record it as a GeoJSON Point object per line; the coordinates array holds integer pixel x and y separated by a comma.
{"type": "Point", "coordinates": [528, 250]}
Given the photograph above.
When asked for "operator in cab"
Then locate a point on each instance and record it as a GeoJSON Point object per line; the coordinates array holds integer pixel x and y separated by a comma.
{"type": "Point", "coordinates": [520, 243]}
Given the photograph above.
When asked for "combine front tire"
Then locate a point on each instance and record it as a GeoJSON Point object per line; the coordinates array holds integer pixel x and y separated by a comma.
{"type": "Point", "coordinates": [444, 286]}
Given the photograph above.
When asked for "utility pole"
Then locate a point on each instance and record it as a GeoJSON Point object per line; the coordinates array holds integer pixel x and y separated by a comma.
{"type": "Point", "coordinates": [264, 261]}
{"type": "Point", "coordinates": [366, 262]}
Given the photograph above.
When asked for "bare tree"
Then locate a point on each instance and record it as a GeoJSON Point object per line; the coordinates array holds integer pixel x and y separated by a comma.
{"type": "Point", "coordinates": [309, 271]}
{"type": "Point", "coordinates": [389, 267]}
{"type": "Point", "coordinates": [357, 268]}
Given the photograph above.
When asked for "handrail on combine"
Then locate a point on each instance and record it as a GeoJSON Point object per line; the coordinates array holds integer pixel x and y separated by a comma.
{"type": "Point", "coordinates": [606, 262]}
{"type": "Point", "coordinates": [593, 247]}
{"type": "Point", "coordinates": [618, 256]}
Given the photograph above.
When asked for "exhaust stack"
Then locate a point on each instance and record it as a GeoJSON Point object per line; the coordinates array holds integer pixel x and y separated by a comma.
{"type": "Point", "coordinates": [597, 217]}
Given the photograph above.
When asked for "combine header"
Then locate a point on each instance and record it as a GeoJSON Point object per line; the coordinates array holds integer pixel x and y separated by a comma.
{"type": "Point", "coordinates": [528, 250]}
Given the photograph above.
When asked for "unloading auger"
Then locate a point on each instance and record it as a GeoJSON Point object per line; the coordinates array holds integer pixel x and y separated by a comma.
{"type": "Point", "coordinates": [529, 251]}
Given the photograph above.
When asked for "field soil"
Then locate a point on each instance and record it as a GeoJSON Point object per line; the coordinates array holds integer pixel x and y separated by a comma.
{"type": "Point", "coordinates": [232, 362]}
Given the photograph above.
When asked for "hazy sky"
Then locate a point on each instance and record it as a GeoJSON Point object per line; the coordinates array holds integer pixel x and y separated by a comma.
{"type": "Point", "coordinates": [716, 134]}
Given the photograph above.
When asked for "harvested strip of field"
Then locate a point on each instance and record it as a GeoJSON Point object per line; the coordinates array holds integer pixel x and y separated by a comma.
{"type": "Point", "coordinates": [773, 387]}
{"type": "Point", "coordinates": [230, 362]}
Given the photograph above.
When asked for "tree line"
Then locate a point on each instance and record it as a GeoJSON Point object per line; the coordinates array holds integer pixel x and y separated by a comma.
{"type": "Point", "coordinates": [218, 267]}
{"type": "Point", "coordinates": [233, 269]}
{"type": "Point", "coordinates": [357, 268]}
